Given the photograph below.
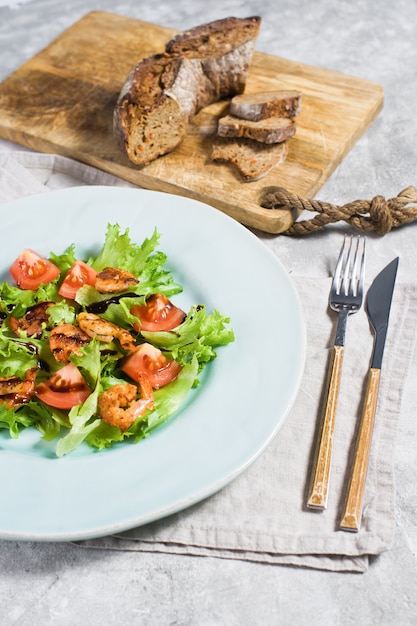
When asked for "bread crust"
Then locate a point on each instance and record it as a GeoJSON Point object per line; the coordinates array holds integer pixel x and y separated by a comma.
{"type": "Point", "coordinates": [262, 105]}
{"type": "Point", "coordinates": [163, 92]}
{"type": "Point", "coordinates": [215, 39]}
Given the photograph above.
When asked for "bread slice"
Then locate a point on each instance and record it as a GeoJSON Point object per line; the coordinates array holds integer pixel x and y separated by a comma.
{"type": "Point", "coordinates": [252, 158]}
{"type": "Point", "coordinates": [262, 105]}
{"type": "Point", "coordinates": [161, 94]}
{"type": "Point", "coordinates": [270, 130]}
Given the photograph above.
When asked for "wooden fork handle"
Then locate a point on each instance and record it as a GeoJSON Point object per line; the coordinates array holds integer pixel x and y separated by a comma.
{"type": "Point", "coordinates": [317, 497]}
{"type": "Point", "coordinates": [351, 517]}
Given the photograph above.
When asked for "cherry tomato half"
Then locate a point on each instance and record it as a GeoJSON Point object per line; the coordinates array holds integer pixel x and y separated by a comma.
{"type": "Point", "coordinates": [157, 314]}
{"type": "Point", "coordinates": [65, 389]}
{"type": "Point", "coordinates": [152, 363]}
{"type": "Point", "coordinates": [78, 275]}
{"type": "Point", "coordinates": [30, 270]}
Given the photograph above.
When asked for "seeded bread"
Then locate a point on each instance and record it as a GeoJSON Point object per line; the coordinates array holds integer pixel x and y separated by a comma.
{"type": "Point", "coordinates": [200, 66]}
{"type": "Point", "coordinates": [253, 159]}
{"type": "Point", "coordinates": [270, 130]}
{"type": "Point", "coordinates": [262, 105]}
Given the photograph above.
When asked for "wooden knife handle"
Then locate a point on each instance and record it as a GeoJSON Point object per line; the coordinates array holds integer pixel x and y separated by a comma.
{"type": "Point", "coordinates": [317, 497]}
{"type": "Point", "coordinates": [351, 517]}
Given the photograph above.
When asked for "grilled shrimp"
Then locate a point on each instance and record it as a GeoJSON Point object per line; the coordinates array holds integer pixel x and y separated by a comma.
{"type": "Point", "coordinates": [118, 405]}
{"type": "Point", "coordinates": [105, 331]}
{"type": "Point", "coordinates": [114, 280]}
{"type": "Point", "coordinates": [15, 391]}
{"type": "Point", "coordinates": [33, 321]}
{"type": "Point", "coordinates": [66, 339]}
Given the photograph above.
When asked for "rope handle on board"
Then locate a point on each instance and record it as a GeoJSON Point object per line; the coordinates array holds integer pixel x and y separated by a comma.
{"type": "Point", "coordinates": [377, 215]}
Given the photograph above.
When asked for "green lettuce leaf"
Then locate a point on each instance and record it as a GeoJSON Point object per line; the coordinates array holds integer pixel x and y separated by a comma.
{"type": "Point", "coordinates": [144, 261]}
{"type": "Point", "coordinates": [13, 420]}
{"type": "Point", "coordinates": [170, 398]}
{"type": "Point", "coordinates": [46, 419]}
{"type": "Point", "coordinates": [61, 313]}
{"type": "Point", "coordinates": [16, 356]}
{"type": "Point", "coordinates": [82, 425]}
{"type": "Point", "coordinates": [198, 335]}
{"type": "Point", "coordinates": [119, 251]}
{"type": "Point", "coordinates": [64, 261]}
{"type": "Point", "coordinates": [21, 299]}
{"type": "Point", "coordinates": [89, 362]}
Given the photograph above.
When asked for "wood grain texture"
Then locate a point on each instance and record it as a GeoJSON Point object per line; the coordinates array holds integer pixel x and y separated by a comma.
{"type": "Point", "coordinates": [319, 488]}
{"type": "Point", "coordinates": [351, 516]}
{"type": "Point", "coordinates": [61, 101]}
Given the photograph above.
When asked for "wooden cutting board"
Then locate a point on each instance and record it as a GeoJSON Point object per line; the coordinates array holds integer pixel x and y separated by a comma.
{"type": "Point", "coordinates": [61, 101]}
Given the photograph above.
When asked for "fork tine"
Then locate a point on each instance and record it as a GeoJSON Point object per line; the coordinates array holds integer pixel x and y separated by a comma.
{"type": "Point", "coordinates": [344, 288]}
{"type": "Point", "coordinates": [338, 271]}
{"type": "Point", "coordinates": [354, 279]}
{"type": "Point", "coordinates": [362, 268]}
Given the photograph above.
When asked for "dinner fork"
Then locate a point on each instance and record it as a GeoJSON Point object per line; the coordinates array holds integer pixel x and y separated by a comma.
{"type": "Point", "coordinates": [346, 295]}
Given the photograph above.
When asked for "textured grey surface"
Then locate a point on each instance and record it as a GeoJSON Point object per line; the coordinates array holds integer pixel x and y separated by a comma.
{"type": "Point", "coordinates": [42, 584]}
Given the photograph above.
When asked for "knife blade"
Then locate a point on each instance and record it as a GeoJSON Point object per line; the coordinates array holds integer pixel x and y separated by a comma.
{"type": "Point", "coordinates": [378, 307]}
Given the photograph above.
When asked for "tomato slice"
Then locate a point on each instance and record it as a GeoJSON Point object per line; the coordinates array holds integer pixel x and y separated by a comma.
{"type": "Point", "coordinates": [78, 275]}
{"type": "Point", "coordinates": [152, 363]}
{"type": "Point", "coordinates": [157, 314]}
{"type": "Point", "coordinates": [65, 389]}
{"type": "Point", "coordinates": [30, 270]}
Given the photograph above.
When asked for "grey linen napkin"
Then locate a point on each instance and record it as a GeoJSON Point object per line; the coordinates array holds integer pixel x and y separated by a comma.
{"type": "Point", "coordinates": [27, 173]}
{"type": "Point", "coordinates": [261, 516]}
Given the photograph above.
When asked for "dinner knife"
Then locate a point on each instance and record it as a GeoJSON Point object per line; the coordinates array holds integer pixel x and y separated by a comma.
{"type": "Point", "coordinates": [378, 306]}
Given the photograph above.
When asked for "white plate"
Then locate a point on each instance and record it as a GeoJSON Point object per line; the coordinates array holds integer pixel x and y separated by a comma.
{"type": "Point", "coordinates": [228, 421]}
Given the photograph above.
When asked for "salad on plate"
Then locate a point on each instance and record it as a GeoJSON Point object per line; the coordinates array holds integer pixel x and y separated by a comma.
{"type": "Point", "coordinates": [95, 350]}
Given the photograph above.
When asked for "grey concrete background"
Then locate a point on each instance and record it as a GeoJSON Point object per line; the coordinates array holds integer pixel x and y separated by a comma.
{"type": "Point", "coordinates": [60, 584]}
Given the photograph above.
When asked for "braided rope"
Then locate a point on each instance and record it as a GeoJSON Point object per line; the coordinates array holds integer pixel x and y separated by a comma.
{"type": "Point", "coordinates": [377, 215]}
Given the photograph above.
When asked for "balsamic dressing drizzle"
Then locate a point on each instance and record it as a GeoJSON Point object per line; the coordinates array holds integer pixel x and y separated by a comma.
{"type": "Point", "coordinates": [102, 306]}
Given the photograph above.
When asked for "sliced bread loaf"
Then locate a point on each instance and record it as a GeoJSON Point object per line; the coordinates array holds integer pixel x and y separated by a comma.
{"type": "Point", "coordinates": [162, 93]}
{"type": "Point", "coordinates": [262, 105]}
{"type": "Point", "coordinates": [252, 158]}
{"type": "Point", "coordinates": [270, 130]}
